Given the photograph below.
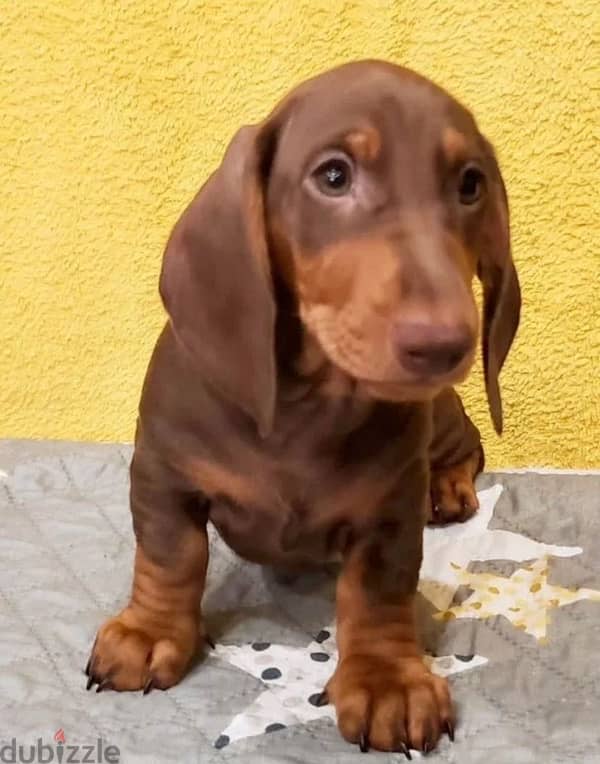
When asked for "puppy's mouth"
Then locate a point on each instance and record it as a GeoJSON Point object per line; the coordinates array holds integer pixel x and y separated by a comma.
{"type": "Point", "coordinates": [400, 393]}
{"type": "Point", "coordinates": [399, 362]}
{"type": "Point", "coordinates": [415, 388]}
{"type": "Point", "coordinates": [402, 387]}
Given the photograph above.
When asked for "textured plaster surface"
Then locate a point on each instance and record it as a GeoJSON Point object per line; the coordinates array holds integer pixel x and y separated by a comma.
{"type": "Point", "coordinates": [114, 113]}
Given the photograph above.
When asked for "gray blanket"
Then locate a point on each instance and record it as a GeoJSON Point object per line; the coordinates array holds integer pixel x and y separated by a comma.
{"type": "Point", "coordinates": [509, 605]}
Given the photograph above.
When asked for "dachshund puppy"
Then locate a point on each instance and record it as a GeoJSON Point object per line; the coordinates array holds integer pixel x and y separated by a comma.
{"type": "Point", "coordinates": [300, 397]}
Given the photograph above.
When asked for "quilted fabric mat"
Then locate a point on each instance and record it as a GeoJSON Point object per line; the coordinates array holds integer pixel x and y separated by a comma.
{"type": "Point", "coordinates": [509, 605]}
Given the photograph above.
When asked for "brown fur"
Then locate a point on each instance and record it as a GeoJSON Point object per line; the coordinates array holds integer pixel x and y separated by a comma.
{"type": "Point", "coordinates": [300, 397]}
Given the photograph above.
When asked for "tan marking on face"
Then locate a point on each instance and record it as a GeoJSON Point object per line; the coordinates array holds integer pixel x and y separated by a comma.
{"type": "Point", "coordinates": [364, 144]}
{"type": "Point", "coordinates": [454, 145]}
{"type": "Point", "coordinates": [362, 270]}
{"type": "Point", "coordinates": [348, 293]}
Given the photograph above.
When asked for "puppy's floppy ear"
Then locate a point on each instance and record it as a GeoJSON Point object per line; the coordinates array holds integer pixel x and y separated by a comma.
{"type": "Point", "coordinates": [501, 290]}
{"type": "Point", "coordinates": [216, 284]}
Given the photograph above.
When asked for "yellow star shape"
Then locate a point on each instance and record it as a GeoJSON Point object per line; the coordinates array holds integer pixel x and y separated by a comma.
{"type": "Point", "coordinates": [525, 598]}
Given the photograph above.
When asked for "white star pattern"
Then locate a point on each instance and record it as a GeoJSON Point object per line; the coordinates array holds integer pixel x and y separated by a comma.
{"type": "Point", "coordinates": [294, 679]}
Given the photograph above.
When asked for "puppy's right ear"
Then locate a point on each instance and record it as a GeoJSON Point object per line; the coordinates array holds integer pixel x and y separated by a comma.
{"type": "Point", "coordinates": [216, 284]}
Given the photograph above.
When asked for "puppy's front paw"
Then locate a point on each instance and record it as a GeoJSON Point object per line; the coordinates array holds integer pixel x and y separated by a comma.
{"type": "Point", "coordinates": [453, 494]}
{"type": "Point", "coordinates": [131, 653]}
{"type": "Point", "coordinates": [390, 705]}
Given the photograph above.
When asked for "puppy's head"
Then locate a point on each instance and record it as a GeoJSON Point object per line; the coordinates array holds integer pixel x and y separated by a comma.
{"type": "Point", "coordinates": [374, 195]}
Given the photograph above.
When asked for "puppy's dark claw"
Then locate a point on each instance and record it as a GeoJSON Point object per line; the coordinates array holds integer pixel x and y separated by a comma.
{"type": "Point", "coordinates": [88, 666]}
{"type": "Point", "coordinates": [403, 748]}
{"type": "Point", "coordinates": [364, 743]}
{"type": "Point", "coordinates": [104, 684]}
{"type": "Point", "coordinates": [209, 641]}
{"type": "Point", "coordinates": [450, 730]}
{"type": "Point", "coordinates": [90, 682]}
{"type": "Point", "coordinates": [148, 686]}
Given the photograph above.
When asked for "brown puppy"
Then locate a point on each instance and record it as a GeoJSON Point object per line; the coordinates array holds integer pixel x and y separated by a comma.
{"type": "Point", "coordinates": [319, 295]}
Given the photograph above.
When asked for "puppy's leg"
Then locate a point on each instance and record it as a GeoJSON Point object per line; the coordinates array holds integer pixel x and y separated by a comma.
{"type": "Point", "coordinates": [152, 641]}
{"type": "Point", "coordinates": [385, 696]}
{"type": "Point", "coordinates": [456, 459]}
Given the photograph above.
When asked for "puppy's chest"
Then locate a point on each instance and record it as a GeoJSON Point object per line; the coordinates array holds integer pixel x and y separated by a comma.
{"type": "Point", "coordinates": [296, 510]}
{"type": "Point", "coordinates": [318, 484]}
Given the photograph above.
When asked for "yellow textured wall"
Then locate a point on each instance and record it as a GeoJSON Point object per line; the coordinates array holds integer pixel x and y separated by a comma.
{"type": "Point", "coordinates": [112, 113]}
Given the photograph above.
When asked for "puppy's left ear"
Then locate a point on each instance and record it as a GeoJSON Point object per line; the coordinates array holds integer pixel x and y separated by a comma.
{"type": "Point", "coordinates": [501, 289]}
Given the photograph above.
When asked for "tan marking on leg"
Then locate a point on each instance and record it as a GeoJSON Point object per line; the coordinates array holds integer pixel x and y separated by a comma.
{"type": "Point", "coordinates": [384, 694]}
{"type": "Point", "coordinates": [153, 640]}
{"type": "Point", "coordinates": [453, 493]}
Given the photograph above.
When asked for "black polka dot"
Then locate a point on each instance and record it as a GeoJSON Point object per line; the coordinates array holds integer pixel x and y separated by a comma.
{"type": "Point", "coordinates": [260, 646]}
{"type": "Point", "coordinates": [274, 727]}
{"type": "Point", "coordinates": [222, 741]}
{"type": "Point", "coordinates": [318, 699]}
{"type": "Point", "coordinates": [465, 658]}
{"type": "Point", "coordinates": [319, 657]}
{"type": "Point", "coordinates": [322, 636]}
{"type": "Point", "coordinates": [271, 673]}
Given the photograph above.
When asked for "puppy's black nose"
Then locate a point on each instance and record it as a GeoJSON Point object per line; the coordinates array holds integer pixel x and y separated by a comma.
{"type": "Point", "coordinates": [427, 350]}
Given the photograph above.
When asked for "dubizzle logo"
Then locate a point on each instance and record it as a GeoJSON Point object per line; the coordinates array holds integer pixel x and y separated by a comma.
{"type": "Point", "coordinates": [61, 752]}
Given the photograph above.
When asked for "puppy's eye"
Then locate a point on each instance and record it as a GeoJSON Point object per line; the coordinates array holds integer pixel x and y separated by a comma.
{"type": "Point", "coordinates": [334, 177]}
{"type": "Point", "coordinates": [471, 185]}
